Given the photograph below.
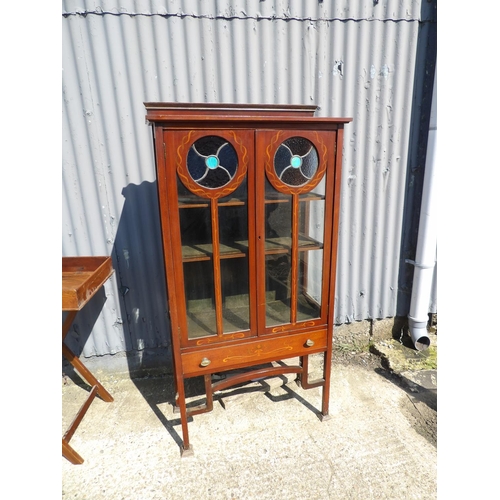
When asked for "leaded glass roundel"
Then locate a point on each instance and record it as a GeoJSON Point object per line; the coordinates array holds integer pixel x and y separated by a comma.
{"type": "Point", "coordinates": [296, 161]}
{"type": "Point", "coordinates": [212, 162]}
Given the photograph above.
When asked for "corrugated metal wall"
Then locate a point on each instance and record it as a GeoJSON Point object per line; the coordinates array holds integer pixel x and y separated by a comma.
{"type": "Point", "coordinates": [370, 60]}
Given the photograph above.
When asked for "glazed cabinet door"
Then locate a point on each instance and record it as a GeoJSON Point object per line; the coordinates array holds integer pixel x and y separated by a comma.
{"type": "Point", "coordinates": [209, 184]}
{"type": "Point", "coordinates": [294, 206]}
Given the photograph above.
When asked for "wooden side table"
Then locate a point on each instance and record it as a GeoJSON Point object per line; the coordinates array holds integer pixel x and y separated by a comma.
{"type": "Point", "coordinates": [82, 277]}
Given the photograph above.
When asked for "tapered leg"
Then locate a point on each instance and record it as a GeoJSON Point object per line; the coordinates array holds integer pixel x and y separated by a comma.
{"type": "Point", "coordinates": [181, 403]}
{"type": "Point", "coordinates": [327, 368]}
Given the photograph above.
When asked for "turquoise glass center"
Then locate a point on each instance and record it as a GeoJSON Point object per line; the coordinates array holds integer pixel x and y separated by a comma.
{"type": "Point", "coordinates": [296, 161]}
{"type": "Point", "coordinates": [212, 162]}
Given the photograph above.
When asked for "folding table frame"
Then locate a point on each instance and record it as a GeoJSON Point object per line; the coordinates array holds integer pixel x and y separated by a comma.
{"type": "Point", "coordinates": [82, 277]}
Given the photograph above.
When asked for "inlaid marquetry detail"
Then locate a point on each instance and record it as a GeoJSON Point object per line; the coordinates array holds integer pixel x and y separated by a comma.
{"type": "Point", "coordinates": [258, 351]}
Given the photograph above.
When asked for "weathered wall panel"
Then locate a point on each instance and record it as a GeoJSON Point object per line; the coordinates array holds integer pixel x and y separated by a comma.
{"type": "Point", "coordinates": [358, 59]}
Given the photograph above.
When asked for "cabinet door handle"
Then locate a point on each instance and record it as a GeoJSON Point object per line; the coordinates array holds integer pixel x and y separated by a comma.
{"type": "Point", "coordinates": [309, 343]}
{"type": "Point", "coordinates": [205, 362]}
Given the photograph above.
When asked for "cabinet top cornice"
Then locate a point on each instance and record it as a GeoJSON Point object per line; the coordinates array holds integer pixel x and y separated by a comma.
{"type": "Point", "coordinates": [232, 113]}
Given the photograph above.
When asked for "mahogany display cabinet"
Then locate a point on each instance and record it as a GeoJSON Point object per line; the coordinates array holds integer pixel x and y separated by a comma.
{"type": "Point", "coordinates": [249, 208]}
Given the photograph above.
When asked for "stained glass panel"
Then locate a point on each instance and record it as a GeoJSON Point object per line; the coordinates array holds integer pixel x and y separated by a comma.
{"type": "Point", "coordinates": [212, 162]}
{"type": "Point", "coordinates": [296, 161]}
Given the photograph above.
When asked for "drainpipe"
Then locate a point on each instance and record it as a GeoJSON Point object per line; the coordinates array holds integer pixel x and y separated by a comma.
{"type": "Point", "coordinates": [425, 258]}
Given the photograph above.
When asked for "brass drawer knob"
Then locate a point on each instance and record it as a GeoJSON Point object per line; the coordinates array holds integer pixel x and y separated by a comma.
{"type": "Point", "coordinates": [205, 362]}
{"type": "Point", "coordinates": [309, 343]}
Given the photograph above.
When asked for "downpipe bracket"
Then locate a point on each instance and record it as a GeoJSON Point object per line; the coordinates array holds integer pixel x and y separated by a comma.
{"type": "Point", "coordinates": [420, 266]}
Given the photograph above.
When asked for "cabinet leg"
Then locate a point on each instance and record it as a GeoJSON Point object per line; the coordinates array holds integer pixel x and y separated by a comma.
{"type": "Point", "coordinates": [323, 383]}
{"type": "Point", "coordinates": [184, 424]}
{"type": "Point", "coordinates": [303, 376]}
{"type": "Point", "coordinates": [327, 368]}
{"type": "Point", "coordinates": [187, 452]}
{"type": "Point", "coordinates": [186, 449]}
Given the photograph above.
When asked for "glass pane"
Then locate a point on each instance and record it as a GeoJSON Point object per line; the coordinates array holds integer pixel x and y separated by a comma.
{"type": "Point", "coordinates": [311, 222]}
{"type": "Point", "coordinates": [278, 224]}
{"type": "Point", "coordinates": [235, 295]}
{"type": "Point", "coordinates": [196, 237]}
{"type": "Point", "coordinates": [310, 284]}
{"type": "Point", "coordinates": [318, 191]}
{"type": "Point", "coordinates": [311, 229]}
{"type": "Point", "coordinates": [278, 233]}
{"type": "Point", "coordinates": [278, 288]}
{"type": "Point", "coordinates": [200, 301]}
{"type": "Point", "coordinates": [187, 198]}
{"type": "Point", "coordinates": [238, 195]}
{"type": "Point", "coordinates": [273, 195]}
{"type": "Point", "coordinates": [233, 229]}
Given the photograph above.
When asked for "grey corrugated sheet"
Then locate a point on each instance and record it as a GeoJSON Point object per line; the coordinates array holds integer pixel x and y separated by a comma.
{"type": "Point", "coordinates": [358, 59]}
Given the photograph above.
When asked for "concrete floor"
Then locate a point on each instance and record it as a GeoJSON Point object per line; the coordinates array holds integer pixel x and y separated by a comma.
{"type": "Point", "coordinates": [262, 441]}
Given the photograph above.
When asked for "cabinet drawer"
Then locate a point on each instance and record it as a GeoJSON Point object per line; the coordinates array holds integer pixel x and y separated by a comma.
{"type": "Point", "coordinates": [253, 352]}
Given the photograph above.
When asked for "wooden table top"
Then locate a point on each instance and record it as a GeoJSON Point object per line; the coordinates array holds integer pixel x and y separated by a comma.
{"type": "Point", "coordinates": [82, 277]}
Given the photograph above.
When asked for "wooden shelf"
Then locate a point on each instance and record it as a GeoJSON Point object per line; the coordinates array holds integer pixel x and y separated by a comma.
{"type": "Point", "coordinates": [195, 253]}
{"type": "Point", "coordinates": [232, 203]}
{"type": "Point", "coordinates": [196, 202]}
{"type": "Point", "coordinates": [278, 311]}
{"type": "Point", "coordinates": [279, 198]}
{"type": "Point", "coordinates": [311, 197]}
{"type": "Point", "coordinates": [284, 244]}
{"type": "Point", "coordinates": [202, 323]}
{"type": "Point", "coordinates": [239, 249]}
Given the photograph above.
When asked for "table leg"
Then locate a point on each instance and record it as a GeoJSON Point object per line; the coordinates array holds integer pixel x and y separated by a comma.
{"type": "Point", "coordinates": [67, 323]}
{"type": "Point", "coordinates": [78, 365]}
{"type": "Point", "coordinates": [86, 374]}
{"type": "Point", "coordinates": [70, 454]}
